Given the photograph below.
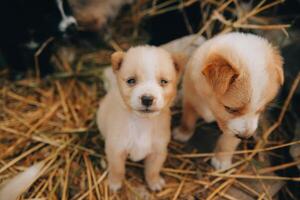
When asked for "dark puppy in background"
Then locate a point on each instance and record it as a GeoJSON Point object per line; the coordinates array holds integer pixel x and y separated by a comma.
{"type": "Point", "coordinates": [27, 24]}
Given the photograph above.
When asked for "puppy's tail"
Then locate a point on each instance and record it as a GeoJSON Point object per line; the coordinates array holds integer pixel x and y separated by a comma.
{"type": "Point", "coordinates": [12, 189]}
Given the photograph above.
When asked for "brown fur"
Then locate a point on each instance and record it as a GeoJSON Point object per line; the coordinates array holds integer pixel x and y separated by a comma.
{"type": "Point", "coordinates": [219, 73]}
{"type": "Point", "coordinates": [179, 62]}
{"type": "Point", "coordinates": [116, 60]}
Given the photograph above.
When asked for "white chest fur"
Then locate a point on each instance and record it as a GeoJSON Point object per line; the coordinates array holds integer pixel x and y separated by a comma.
{"type": "Point", "coordinates": [140, 137]}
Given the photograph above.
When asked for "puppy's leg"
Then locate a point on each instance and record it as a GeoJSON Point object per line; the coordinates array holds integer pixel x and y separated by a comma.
{"type": "Point", "coordinates": [116, 169]}
{"type": "Point", "coordinates": [226, 143]}
{"type": "Point", "coordinates": [153, 165]}
{"type": "Point", "coordinates": [186, 129]}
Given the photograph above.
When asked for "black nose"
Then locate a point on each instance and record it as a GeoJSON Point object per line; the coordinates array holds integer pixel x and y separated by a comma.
{"type": "Point", "coordinates": [243, 136]}
{"type": "Point", "coordinates": [147, 100]}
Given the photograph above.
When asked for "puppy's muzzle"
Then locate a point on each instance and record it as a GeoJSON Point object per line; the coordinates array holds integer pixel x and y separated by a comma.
{"type": "Point", "coordinates": [244, 136]}
{"type": "Point", "coordinates": [147, 100]}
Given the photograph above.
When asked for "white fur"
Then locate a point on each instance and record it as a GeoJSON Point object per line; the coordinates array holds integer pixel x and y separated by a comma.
{"type": "Point", "coordinates": [66, 20]}
{"type": "Point", "coordinates": [140, 140]}
{"type": "Point", "coordinates": [114, 187]}
{"type": "Point", "coordinates": [19, 184]}
{"type": "Point", "coordinates": [32, 44]}
{"type": "Point", "coordinates": [181, 137]}
{"type": "Point", "coordinates": [221, 164]}
{"type": "Point", "coordinates": [158, 185]}
{"type": "Point", "coordinates": [243, 124]}
{"type": "Point", "coordinates": [237, 125]}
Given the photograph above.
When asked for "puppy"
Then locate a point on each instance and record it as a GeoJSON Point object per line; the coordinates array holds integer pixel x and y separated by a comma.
{"type": "Point", "coordinates": [93, 15]}
{"type": "Point", "coordinates": [230, 78]}
{"type": "Point", "coordinates": [134, 116]}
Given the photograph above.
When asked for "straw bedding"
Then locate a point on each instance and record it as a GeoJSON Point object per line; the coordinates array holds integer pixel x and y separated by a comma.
{"type": "Point", "coordinates": [53, 120]}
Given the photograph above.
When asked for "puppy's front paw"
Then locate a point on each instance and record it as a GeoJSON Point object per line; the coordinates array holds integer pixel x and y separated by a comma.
{"type": "Point", "coordinates": [221, 164]}
{"type": "Point", "coordinates": [180, 135]}
{"type": "Point", "coordinates": [114, 186]}
{"type": "Point", "coordinates": [156, 184]}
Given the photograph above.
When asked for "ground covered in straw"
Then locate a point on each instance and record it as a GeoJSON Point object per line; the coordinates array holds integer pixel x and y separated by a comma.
{"type": "Point", "coordinates": [53, 120]}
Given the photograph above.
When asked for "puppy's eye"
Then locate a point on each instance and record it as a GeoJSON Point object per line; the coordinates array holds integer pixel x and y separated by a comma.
{"type": "Point", "coordinates": [231, 110]}
{"type": "Point", "coordinates": [163, 82]}
{"type": "Point", "coordinates": [131, 81]}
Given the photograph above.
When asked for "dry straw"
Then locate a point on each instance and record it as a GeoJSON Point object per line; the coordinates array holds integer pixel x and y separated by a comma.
{"type": "Point", "coordinates": [53, 120]}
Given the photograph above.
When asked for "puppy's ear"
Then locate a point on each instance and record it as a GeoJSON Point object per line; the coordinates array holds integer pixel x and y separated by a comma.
{"type": "Point", "coordinates": [280, 75]}
{"type": "Point", "coordinates": [179, 61]}
{"type": "Point", "coordinates": [220, 74]}
{"type": "Point", "coordinates": [277, 62]}
{"type": "Point", "coordinates": [116, 60]}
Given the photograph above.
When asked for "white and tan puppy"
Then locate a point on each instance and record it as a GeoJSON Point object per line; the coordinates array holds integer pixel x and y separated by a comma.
{"type": "Point", "coordinates": [134, 116]}
{"type": "Point", "coordinates": [230, 78]}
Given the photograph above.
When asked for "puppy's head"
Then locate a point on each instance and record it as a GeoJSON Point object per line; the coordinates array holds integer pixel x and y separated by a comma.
{"type": "Point", "coordinates": [243, 84]}
{"type": "Point", "coordinates": [147, 78]}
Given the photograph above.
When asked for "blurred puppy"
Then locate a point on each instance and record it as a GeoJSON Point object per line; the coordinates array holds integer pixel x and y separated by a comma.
{"type": "Point", "coordinates": [92, 15]}
{"type": "Point", "coordinates": [134, 116]}
{"type": "Point", "coordinates": [230, 78]}
{"type": "Point", "coordinates": [28, 26]}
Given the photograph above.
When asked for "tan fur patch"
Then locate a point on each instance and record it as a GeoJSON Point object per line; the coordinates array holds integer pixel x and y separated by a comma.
{"type": "Point", "coordinates": [277, 63]}
{"type": "Point", "coordinates": [239, 93]}
{"type": "Point", "coordinates": [116, 60]}
{"type": "Point", "coordinates": [276, 76]}
{"type": "Point", "coordinates": [220, 73]}
{"type": "Point", "coordinates": [180, 61]}
{"type": "Point", "coordinates": [231, 86]}
{"type": "Point", "coordinates": [189, 118]}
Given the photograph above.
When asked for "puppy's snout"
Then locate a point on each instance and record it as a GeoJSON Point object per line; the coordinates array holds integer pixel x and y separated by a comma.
{"type": "Point", "coordinates": [243, 136]}
{"type": "Point", "coordinates": [147, 100]}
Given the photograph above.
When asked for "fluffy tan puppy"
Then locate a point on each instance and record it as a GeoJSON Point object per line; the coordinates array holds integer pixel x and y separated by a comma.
{"type": "Point", "coordinates": [134, 116]}
{"type": "Point", "coordinates": [230, 78]}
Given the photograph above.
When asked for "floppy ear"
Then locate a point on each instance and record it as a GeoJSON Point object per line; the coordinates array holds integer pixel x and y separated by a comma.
{"type": "Point", "coordinates": [116, 60]}
{"type": "Point", "coordinates": [220, 74]}
{"type": "Point", "coordinates": [278, 64]}
{"type": "Point", "coordinates": [179, 61]}
{"type": "Point", "coordinates": [280, 75]}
